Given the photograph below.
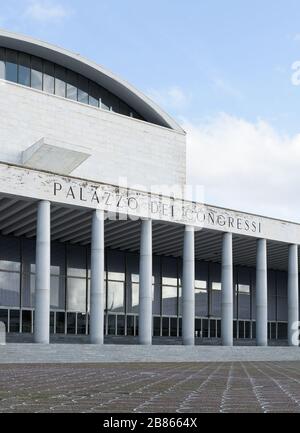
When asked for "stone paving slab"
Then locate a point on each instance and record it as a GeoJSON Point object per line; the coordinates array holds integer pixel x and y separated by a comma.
{"type": "Point", "coordinates": [150, 387]}
{"type": "Point", "coordinates": [85, 353]}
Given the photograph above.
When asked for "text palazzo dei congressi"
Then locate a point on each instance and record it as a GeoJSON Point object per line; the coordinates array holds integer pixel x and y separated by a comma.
{"type": "Point", "coordinates": [139, 204]}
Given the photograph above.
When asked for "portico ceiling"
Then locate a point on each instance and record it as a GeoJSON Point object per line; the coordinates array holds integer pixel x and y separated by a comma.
{"type": "Point", "coordinates": [73, 225]}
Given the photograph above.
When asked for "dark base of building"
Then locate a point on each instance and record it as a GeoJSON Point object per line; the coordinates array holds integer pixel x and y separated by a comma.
{"type": "Point", "coordinates": [84, 339]}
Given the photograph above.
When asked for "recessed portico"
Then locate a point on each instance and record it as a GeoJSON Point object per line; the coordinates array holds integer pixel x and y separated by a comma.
{"type": "Point", "coordinates": [251, 305]}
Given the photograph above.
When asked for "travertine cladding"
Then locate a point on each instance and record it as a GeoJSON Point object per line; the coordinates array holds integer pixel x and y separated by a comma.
{"type": "Point", "coordinates": [120, 147]}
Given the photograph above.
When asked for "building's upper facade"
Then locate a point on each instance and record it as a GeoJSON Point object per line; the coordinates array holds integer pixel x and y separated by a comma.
{"type": "Point", "coordinates": [63, 113]}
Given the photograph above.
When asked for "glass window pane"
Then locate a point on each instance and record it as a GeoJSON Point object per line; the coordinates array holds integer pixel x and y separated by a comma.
{"type": "Point", "coordinates": [198, 332]}
{"type": "Point", "coordinates": [104, 99]}
{"type": "Point", "coordinates": [10, 254]}
{"type": "Point", "coordinates": [244, 289]}
{"type": "Point", "coordinates": [116, 276]}
{"type": "Point", "coordinates": [60, 81]}
{"type": "Point", "coordinates": [205, 328]}
{"type": "Point", "coordinates": [48, 78]}
{"type": "Point", "coordinates": [115, 298]}
{"type": "Point", "coordinates": [2, 63]}
{"type": "Point", "coordinates": [133, 298]}
{"type": "Point", "coordinates": [216, 286]}
{"type": "Point", "coordinates": [156, 326]}
{"type": "Point", "coordinates": [124, 109]}
{"type": "Point", "coordinates": [36, 73]}
{"type": "Point", "coordinates": [83, 90]}
{"type": "Point", "coordinates": [247, 329]}
{"type": "Point", "coordinates": [241, 329]}
{"type": "Point", "coordinates": [57, 292]}
{"type": "Point", "coordinates": [24, 69]}
{"type": "Point", "coordinates": [60, 323]}
{"type": "Point", "coordinates": [234, 329]}
{"type": "Point", "coordinates": [169, 281]}
{"type": "Point", "coordinates": [28, 269]}
{"type": "Point", "coordinates": [136, 115]}
{"type": "Point", "coordinates": [72, 83]}
{"type": "Point", "coordinates": [169, 300]}
{"type": "Point", "coordinates": [120, 325]}
{"type": "Point", "coordinates": [111, 330]}
{"type": "Point", "coordinates": [76, 294]}
{"type": "Point", "coordinates": [173, 326]}
{"type": "Point", "coordinates": [71, 323]}
{"type": "Point", "coordinates": [9, 289]}
{"type": "Point", "coordinates": [14, 321]}
{"type": "Point", "coordinates": [200, 286]}
{"type": "Point", "coordinates": [26, 321]}
{"type": "Point", "coordinates": [165, 326]}
{"type": "Point", "coordinates": [130, 325]}
{"type": "Point", "coordinates": [212, 324]}
{"type": "Point", "coordinates": [28, 289]}
{"type": "Point", "coordinates": [81, 323]}
{"type": "Point", "coordinates": [218, 328]}
{"type": "Point", "coordinates": [180, 326]}
{"type": "Point", "coordinates": [113, 102]}
{"type": "Point", "coordinates": [51, 322]}
{"type": "Point", "coordinates": [4, 318]}
{"type": "Point", "coordinates": [282, 330]}
{"type": "Point", "coordinates": [11, 70]}
{"type": "Point", "coordinates": [76, 257]}
{"type": "Point", "coordinates": [94, 94]}
{"type": "Point", "coordinates": [253, 329]}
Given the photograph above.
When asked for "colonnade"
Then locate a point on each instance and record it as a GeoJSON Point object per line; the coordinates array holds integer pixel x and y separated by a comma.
{"type": "Point", "coordinates": [97, 307]}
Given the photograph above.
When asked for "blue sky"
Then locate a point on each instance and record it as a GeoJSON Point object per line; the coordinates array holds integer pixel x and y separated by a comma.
{"type": "Point", "coordinates": [223, 69]}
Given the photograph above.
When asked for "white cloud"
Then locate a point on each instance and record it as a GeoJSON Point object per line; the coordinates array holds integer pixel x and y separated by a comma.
{"type": "Point", "coordinates": [297, 37]}
{"type": "Point", "coordinates": [173, 98]}
{"type": "Point", "coordinates": [226, 88]}
{"type": "Point", "coordinates": [246, 166]}
{"type": "Point", "coordinates": [45, 11]}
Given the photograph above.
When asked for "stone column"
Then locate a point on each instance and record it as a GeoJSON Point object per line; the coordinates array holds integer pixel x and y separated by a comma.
{"type": "Point", "coordinates": [188, 287]}
{"type": "Point", "coordinates": [261, 294]}
{"type": "Point", "coordinates": [227, 291]}
{"type": "Point", "coordinates": [293, 296]}
{"type": "Point", "coordinates": [145, 291]}
{"type": "Point", "coordinates": [97, 297]}
{"type": "Point", "coordinates": [42, 276]}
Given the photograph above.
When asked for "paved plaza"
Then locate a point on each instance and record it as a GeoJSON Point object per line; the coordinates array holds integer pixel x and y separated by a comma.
{"type": "Point", "coordinates": [151, 387]}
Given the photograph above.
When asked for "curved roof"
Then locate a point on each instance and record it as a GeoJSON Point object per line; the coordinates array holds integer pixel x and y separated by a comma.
{"type": "Point", "coordinates": [121, 88]}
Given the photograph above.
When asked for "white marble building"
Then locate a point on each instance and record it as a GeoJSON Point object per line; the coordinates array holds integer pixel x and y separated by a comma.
{"type": "Point", "coordinates": [82, 254]}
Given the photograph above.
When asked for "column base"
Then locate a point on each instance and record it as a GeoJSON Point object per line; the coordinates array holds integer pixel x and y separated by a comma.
{"type": "Point", "coordinates": [97, 341]}
{"type": "Point", "coordinates": [188, 342]}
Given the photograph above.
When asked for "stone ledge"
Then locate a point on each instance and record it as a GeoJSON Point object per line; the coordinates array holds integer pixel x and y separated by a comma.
{"type": "Point", "coordinates": [71, 353]}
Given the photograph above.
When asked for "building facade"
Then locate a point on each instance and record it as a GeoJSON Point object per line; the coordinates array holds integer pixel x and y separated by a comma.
{"type": "Point", "coordinates": [87, 247]}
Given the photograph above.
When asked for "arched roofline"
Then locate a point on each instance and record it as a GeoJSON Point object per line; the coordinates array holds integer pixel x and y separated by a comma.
{"type": "Point", "coordinates": [143, 105]}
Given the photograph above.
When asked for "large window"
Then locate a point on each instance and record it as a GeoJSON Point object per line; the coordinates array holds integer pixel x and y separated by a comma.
{"type": "Point", "coordinates": [36, 73]}
{"type": "Point", "coordinates": [2, 63]}
{"type": "Point", "coordinates": [115, 296]}
{"type": "Point", "coordinates": [11, 66]}
{"type": "Point", "coordinates": [10, 267]}
{"type": "Point", "coordinates": [24, 70]}
{"type": "Point", "coordinates": [42, 75]}
{"type": "Point", "coordinates": [77, 279]}
{"type": "Point", "coordinates": [170, 286]}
